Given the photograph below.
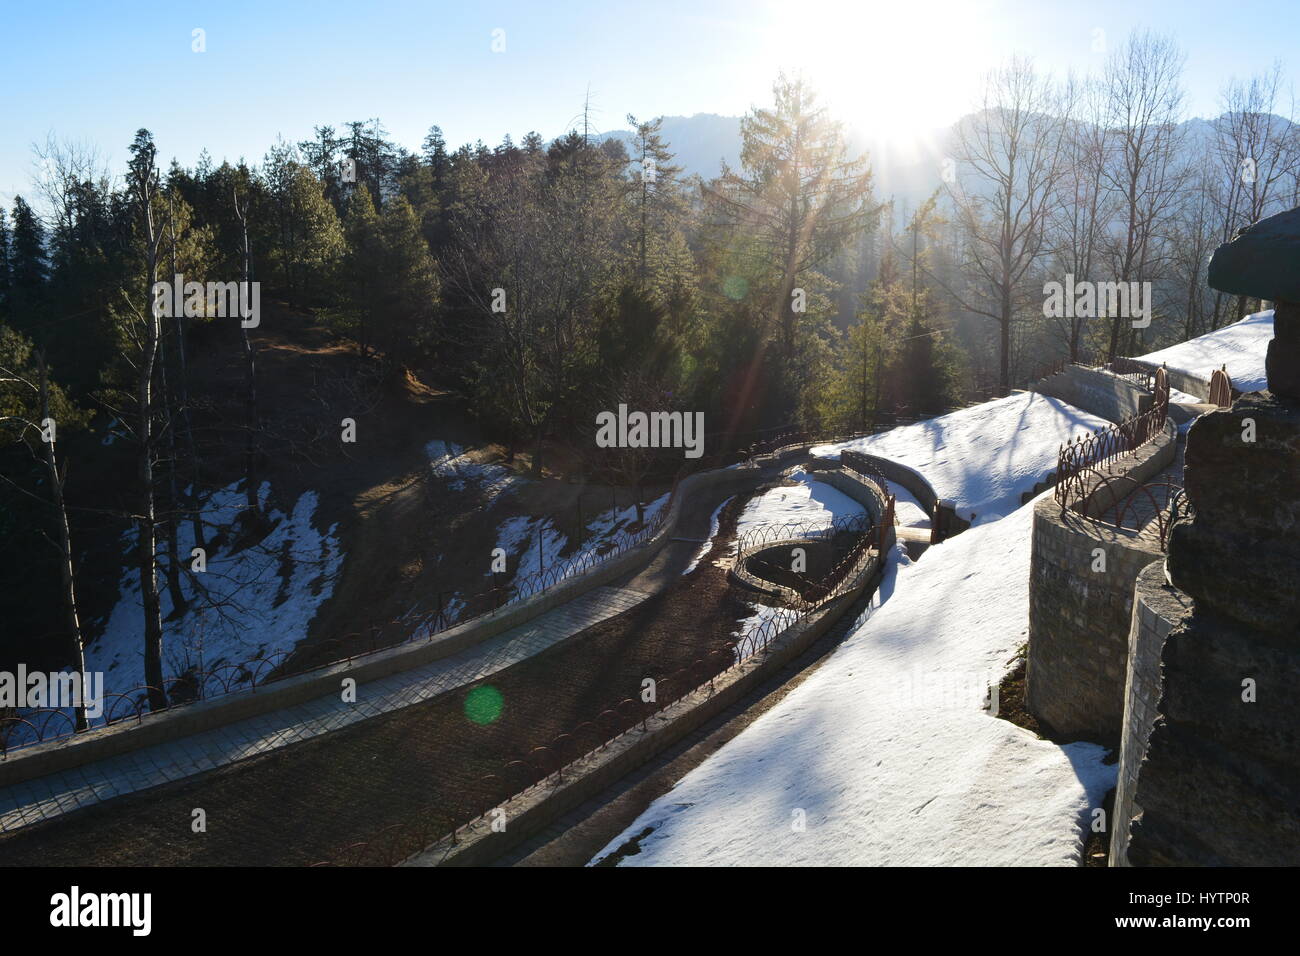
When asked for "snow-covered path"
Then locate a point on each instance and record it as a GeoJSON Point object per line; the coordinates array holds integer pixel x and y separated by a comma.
{"type": "Point", "coordinates": [884, 754]}
{"type": "Point", "coordinates": [983, 457]}
{"type": "Point", "coordinates": [1240, 346]}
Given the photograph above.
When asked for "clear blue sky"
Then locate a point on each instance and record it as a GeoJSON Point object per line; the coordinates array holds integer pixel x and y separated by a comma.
{"type": "Point", "coordinates": [97, 71]}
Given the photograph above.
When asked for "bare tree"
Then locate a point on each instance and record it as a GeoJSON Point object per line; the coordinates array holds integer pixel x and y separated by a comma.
{"type": "Point", "coordinates": [250, 366]}
{"type": "Point", "coordinates": [1142, 85]}
{"type": "Point", "coordinates": [48, 429]}
{"type": "Point", "coordinates": [1258, 154]}
{"type": "Point", "coordinates": [144, 189]}
{"type": "Point", "coordinates": [1010, 157]}
{"type": "Point", "coordinates": [1083, 208]}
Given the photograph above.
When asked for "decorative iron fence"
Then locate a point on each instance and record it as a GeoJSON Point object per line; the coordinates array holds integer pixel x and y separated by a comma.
{"type": "Point", "coordinates": [1090, 452]}
{"type": "Point", "coordinates": [39, 726]}
{"type": "Point", "coordinates": [547, 765]}
{"type": "Point", "coordinates": [1124, 503]}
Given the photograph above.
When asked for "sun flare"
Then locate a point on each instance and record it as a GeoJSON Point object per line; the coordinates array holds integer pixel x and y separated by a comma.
{"type": "Point", "coordinates": [861, 56]}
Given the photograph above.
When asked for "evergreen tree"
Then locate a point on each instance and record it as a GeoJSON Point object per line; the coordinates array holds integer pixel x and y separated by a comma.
{"type": "Point", "coordinates": [29, 271]}
{"type": "Point", "coordinates": [802, 198]}
{"type": "Point", "coordinates": [6, 247]}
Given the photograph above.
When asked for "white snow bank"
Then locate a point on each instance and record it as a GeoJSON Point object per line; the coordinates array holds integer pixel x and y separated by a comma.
{"type": "Point", "coordinates": [983, 457]}
{"type": "Point", "coordinates": [1240, 346]}
{"type": "Point", "coordinates": [884, 753]}
{"type": "Point", "coordinates": [907, 510]}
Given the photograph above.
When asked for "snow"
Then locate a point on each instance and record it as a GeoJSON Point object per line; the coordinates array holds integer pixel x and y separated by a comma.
{"type": "Point", "coordinates": [262, 598]}
{"type": "Point", "coordinates": [708, 543]}
{"type": "Point", "coordinates": [809, 502]}
{"type": "Point", "coordinates": [449, 461]}
{"type": "Point", "coordinates": [536, 540]}
{"type": "Point", "coordinates": [1240, 346]}
{"type": "Point", "coordinates": [885, 751]}
{"type": "Point", "coordinates": [984, 458]}
{"type": "Point", "coordinates": [520, 535]}
{"type": "Point", "coordinates": [907, 510]}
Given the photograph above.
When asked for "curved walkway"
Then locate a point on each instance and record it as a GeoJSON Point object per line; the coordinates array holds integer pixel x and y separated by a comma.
{"type": "Point", "coordinates": [50, 797]}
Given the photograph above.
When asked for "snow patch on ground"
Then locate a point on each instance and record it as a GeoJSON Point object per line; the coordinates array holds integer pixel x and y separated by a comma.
{"type": "Point", "coordinates": [713, 533]}
{"type": "Point", "coordinates": [539, 544]}
{"type": "Point", "coordinates": [260, 600]}
{"type": "Point", "coordinates": [449, 462]}
{"type": "Point", "coordinates": [1241, 346]}
{"type": "Point", "coordinates": [885, 751]}
{"type": "Point", "coordinates": [983, 457]}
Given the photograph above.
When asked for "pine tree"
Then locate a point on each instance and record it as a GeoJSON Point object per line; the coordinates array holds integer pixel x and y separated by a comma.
{"type": "Point", "coordinates": [29, 271]}
{"type": "Point", "coordinates": [802, 198]}
{"type": "Point", "coordinates": [6, 247]}
{"type": "Point", "coordinates": [409, 296]}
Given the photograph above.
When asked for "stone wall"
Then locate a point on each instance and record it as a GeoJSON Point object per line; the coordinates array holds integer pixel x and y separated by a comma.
{"type": "Point", "coordinates": [945, 518]}
{"type": "Point", "coordinates": [1098, 392]}
{"type": "Point", "coordinates": [1219, 784]}
{"type": "Point", "coordinates": [863, 492]}
{"type": "Point", "coordinates": [1079, 621]}
{"type": "Point", "coordinates": [1189, 383]}
{"type": "Point", "coordinates": [1156, 606]}
{"type": "Point", "coordinates": [1079, 618]}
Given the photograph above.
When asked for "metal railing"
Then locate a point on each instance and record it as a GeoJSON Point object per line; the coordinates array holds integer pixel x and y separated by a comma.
{"type": "Point", "coordinates": [196, 684]}
{"type": "Point", "coordinates": [1124, 503]}
{"type": "Point", "coordinates": [1090, 452]}
{"type": "Point", "coordinates": [547, 765]}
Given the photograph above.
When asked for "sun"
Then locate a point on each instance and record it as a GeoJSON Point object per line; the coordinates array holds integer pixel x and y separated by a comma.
{"type": "Point", "coordinates": [894, 72]}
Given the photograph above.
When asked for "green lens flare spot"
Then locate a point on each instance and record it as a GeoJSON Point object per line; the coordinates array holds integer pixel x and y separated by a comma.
{"type": "Point", "coordinates": [483, 705]}
{"type": "Point", "coordinates": [735, 287]}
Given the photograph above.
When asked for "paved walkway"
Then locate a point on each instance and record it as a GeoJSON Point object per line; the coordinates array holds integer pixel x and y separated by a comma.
{"type": "Point", "coordinates": [53, 795]}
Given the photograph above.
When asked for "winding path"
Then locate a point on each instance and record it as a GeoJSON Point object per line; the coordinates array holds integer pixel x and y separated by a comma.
{"type": "Point", "coordinates": [338, 740]}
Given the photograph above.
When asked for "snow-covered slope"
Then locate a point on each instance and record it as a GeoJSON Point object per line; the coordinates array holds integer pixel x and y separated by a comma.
{"type": "Point", "coordinates": [259, 601]}
{"type": "Point", "coordinates": [884, 754]}
{"type": "Point", "coordinates": [983, 457]}
{"type": "Point", "coordinates": [1240, 346]}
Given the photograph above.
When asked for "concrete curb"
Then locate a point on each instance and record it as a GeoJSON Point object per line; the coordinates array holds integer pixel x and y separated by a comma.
{"type": "Point", "coordinates": [184, 720]}
{"type": "Point", "coordinates": [537, 807]}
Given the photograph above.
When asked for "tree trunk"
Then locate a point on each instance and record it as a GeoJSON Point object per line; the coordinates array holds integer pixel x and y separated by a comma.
{"type": "Point", "coordinates": [250, 374]}
{"type": "Point", "coordinates": [71, 618]}
{"type": "Point", "coordinates": [145, 521]}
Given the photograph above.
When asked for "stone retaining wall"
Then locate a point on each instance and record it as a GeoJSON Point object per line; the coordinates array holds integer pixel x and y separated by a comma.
{"type": "Point", "coordinates": [1079, 618]}
{"type": "Point", "coordinates": [1156, 607]}
{"type": "Point", "coordinates": [1096, 391]}
{"type": "Point", "coordinates": [1218, 783]}
{"type": "Point", "coordinates": [942, 511]}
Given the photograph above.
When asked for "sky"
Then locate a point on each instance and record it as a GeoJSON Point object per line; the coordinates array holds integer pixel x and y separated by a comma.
{"type": "Point", "coordinates": [95, 72]}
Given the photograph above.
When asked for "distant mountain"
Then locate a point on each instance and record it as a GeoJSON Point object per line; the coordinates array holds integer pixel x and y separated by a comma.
{"type": "Point", "coordinates": [907, 174]}
{"type": "Point", "coordinates": [700, 142]}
